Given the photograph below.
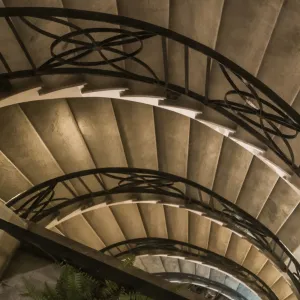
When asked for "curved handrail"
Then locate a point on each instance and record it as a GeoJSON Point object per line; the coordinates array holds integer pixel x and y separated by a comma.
{"type": "Point", "coordinates": [189, 252]}
{"type": "Point", "coordinates": [196, 281]}
{"type": "Point", "coordinates": [45, 200]}
{"type": "Point", "coordinates": [262, 116]}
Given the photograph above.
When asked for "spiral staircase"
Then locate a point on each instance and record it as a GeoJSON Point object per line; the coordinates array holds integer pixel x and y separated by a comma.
{"type": "Point", "coordinates": [56, 124]}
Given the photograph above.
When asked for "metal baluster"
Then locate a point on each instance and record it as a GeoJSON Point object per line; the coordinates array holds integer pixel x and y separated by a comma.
{"type": "Point", "coordinates": [5, 64]}
{"type": "Point", "coordinates": [200, 196]}
{"type": "Point", "coordinates": [207, 78]}
{"type": "Point", "coordinates": [89, 200]}
{"type": "Point", "coordinates": [100, 181]}
{"type": "Point", "coordinates": [5, 85]}
{"type": "Point", "coordinates": [212, 204]}
{"type": "Point", "coordinates": [69, 189]}
{"type": "Point", "coordinates": [186, 68]}
{"type": "Point", "coordinates": [274, 246]}
{"type": "Point", "coordinates": [281, 256]}
{"type": "Point", "coordinates": [22, 45]}
{"type": "Point", "coordinates": [84, 184]}
{"type": "Point", "coordinates": [289, 263]}
{"type": "Point", "coordinates": [165, 61]}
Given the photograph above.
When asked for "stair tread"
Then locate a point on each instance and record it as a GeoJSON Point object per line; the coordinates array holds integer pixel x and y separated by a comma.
{"type": "Point", "coordinates": [105, 225]}
{"type": "Point", "coordinates": [259, 183]}
{"type": "Point", "coordinates": [282, 54]}
{"type": "Point", "coordinates": [12, 179]}
{"type": "Point", "coordinates": [78, 229]}
{"type": "Point", "coordinates": [192, 20]}
{"type": "Point", "coordinates": [218, 239]}
{"type": "Point", "coordinates": [282, 289]}
{"type": "Point", "coordinates": [56, 126]}
{"type": "Point", "coordinates": [282, 201]}
{"type": "Point", "coordinates": [254, 260]}
{"type": "Point", "coordinates": [23, 146]}
{"type": "Point", "coordinates": [153, 264]}
{"type": "Point", "coordinates": [104, 128]}
{"type": "Point", "coordinates": [137, 130]}
{"type": "Point", "coordinates": [129, 219]}
{"type": "Point", "coordinates": [187, 266]}
{"type": "Point", "coordinates": [203, 271]}
{"type": "Point", "coordinates": [170, 264]}
{"type": "Point", "coordinates": [291, 225]}
{"type": "Point", "coordinates": [217, 276]}
{"type": "Point", "coordinates": [231, 282]}
{"type": "Point", "coordinates": [154, 220]}
{"type": "Point", "coordinates": [172, 138]}
{"type": "Point", "coordinates": [204, 149]}
{"type": "Point", "coordinates": [269, 274]}
{"type": "Point", "coordinates": [232, 169]}
{"type": "Point", "coordinates": [237, 249]}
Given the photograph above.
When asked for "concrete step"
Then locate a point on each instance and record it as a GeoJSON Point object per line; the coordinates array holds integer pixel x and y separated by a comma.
{"type": "Point", "coordinates": [13, 181]}
{"type": "Point", "coordinates": [171, 264]}
{"type": "Point", "coordinates": [192, 20]}
{"type": "Point", "coordinates": [57, 128]}
{"type": "Point", "coordinates": [105, 225]}
{"type": "Point", "coordinates": [282, 54]}
{"type": "Point", "coordinates": [232, 169]}
{"type": "Point", "coordinates": [282, 289]}
{"type": "Point", "coordinates": [155, 12]}
{"type": "Point", "coordinates": [101, 134]}
{"type": "Point", "coordinates": [205, 146]}
{"type": "Point", "coordinates": [153, 264]}
{"type": "Point", "coordinates": [79, 229]}
{"type": "Point", "coordinates": [23, 146]}
{"type": "Point", "coordinates": [137, 130]}
{"type": "Point", "coordinates": [258, 185]}
{"type": "Point", "coordinates": [106, 149]}
{"type": "Point", "coordinates": [172, 138]}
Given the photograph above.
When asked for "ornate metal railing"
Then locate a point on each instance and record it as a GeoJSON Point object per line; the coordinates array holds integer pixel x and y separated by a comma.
{"type": "Point", "coordinates": [189, 252]}
{"type": "Point", "coordinates": [249, 103]}
{"type": "Point", "coordinates": [81, 191]}
{"type": "Point", "coordinates": [195, 281]}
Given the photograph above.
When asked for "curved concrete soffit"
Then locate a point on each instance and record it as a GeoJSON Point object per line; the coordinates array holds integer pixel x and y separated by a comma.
{"type": "Point", "coordinates": [191, 208]}
{"type": "Point", "coordinates": [45, 201]}
{"type": "Point", "coordinates": [189, 108]}
{"type": "Point", "coordinates": [159, 247]}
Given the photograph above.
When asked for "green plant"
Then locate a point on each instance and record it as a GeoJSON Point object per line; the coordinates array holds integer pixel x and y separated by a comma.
{"type": "Point", "coordinates": [76, 285]}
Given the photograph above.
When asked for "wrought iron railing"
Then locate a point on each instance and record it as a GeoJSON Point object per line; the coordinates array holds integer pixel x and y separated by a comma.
{"type": "Point", "coordinates": [85, 190]}
{"type": "Point", "coordinates": [248, 102]}
{"type": "Point", "coordinates": [195, 281]}
{"type": "Point", "coordinates": [189, 252]}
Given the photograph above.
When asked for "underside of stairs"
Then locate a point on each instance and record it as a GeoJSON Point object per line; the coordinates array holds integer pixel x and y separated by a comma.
{"type": "Point", "coordinates": [52, 125]}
